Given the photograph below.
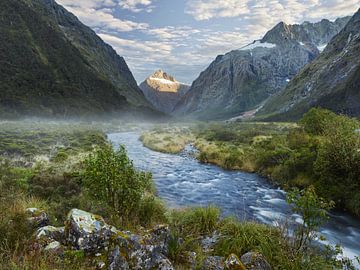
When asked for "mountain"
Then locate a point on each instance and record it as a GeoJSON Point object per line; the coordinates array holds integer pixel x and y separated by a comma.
{"type": "Point", "coordinates": [163, 91]}
{"type": "Point", "coordinates": [331, 81]}
{"type": "Point", "coordinates": [243, 79]}
{"type": "Point", "coordinates": [53, 65]}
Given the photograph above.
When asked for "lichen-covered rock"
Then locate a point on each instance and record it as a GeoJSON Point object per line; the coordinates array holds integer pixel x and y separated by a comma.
{"type": "Point", "coordinates": [48, 234]}
{"type": "Point", "coordinates": [209, 242]}
{"type": "Point", "coordinates": [255, 261]}
{"type": "Point", "coordinates": [116, 260]}
{"type": "Point", "coordinates": [87, 231]}
{"type": "Point", "coordinates": [158, 237]}
{"type": "Point", "coordinates": [55, 248]}
{"type": "Point", "coordinates": [234, 263]}
{"type": "Point", "coordinates": [37, 218]}
{"type": "Point", "coordinates": [213, 263]}
{"type": "Point", "coordinates": [141, 252]}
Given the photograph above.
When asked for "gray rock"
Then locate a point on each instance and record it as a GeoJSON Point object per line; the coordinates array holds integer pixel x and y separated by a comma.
{"type": "Point", "coordinates": [213, 263]}
{"type": "Point", "coordinates": [54, 248]}
{"type": "Point", "coordinates": [116, 260]}
{"type": "Point", "coordinates": [87, 231]}
{"type": "Point", "coordinates": [208, 242]}
{"type": "Point", "coordinates": [37, 218]}
{"type": "Point", "coordinates": [48, 234]}
{"type": "Point", "coordinates": [255, 261]}
{"type": "Point", "coordinates": [234, 263]}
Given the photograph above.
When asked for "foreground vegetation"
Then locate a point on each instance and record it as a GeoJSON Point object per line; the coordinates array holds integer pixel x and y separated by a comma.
{"type": "Point", "coordinates": [322, 150]}
{"type": "Point", "coordinates": [90, 175]}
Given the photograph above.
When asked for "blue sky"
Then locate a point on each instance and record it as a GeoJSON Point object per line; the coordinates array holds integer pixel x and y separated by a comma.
{"type": "Point", "coordinates": [182, 37]}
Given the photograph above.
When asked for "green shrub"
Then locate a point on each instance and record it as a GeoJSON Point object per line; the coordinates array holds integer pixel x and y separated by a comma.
{"type": "Point", "coordinates": [110, 177]}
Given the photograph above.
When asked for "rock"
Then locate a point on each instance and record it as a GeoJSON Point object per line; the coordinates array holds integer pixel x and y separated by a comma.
{"type": "Point", "coordinates": [87, 231]}
{"type": "Point", "coordinates": [255, 261]}
{"type": "Point", "coordinates": [213, 263]}
{"type": "Point", "coordinates": [116, 260]}
{"type": "Point", "coordinates": [48, 234]}
{"type": "Point", "coordinates": [37, 218]}
{"type": "Point", "coordinates": [158, 237]}
{"type": "Point", "coordinates": [141, 252]}
{"type": "Point", "coordinates": [234, 263]}
{"type": "Point", "coordinates": [208, 242]}
{"type": "Point", "coordinates": [54, 248]}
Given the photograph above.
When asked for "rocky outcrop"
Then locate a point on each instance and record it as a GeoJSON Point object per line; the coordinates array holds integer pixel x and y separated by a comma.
{"type": "Point", "coordinates": [163, 91]}
{"type": "Point", "coordinates": [331, 81]}
{"type": "Point", "coordinates": [123, 250]}
{"type": "Point", "coordinates": [113, 249]}
{"type": "Point", "coordinates": [243, 79]}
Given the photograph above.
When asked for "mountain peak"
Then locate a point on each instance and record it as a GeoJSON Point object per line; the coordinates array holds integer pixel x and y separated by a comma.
{"type": "Point", "coordinates": [160, 74]}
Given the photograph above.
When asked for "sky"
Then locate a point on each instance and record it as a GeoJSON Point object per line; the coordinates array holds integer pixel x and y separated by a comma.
{"type": "Point", "coordinates": [182, 37]}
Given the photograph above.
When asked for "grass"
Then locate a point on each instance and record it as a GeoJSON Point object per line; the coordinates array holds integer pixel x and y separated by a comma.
{"type": "Point", "coordinates": [168, 140]}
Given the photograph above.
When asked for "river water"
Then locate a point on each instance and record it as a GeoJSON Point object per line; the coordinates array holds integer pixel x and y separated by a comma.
{"type": "Point", "coordinates": [182, 181]}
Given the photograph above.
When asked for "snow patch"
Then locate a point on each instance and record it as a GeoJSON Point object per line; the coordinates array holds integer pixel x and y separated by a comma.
{"type": "Point", "coordinates": [257, 44]}
{"type": "Point", "coordinates": [163, 81]}
{"type": "Point", "coordinates": [321, 47]}
{"type": "Point", "coordinates": [302, 44]}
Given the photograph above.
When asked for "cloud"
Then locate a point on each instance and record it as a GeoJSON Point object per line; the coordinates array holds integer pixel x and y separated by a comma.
{"type": "Point", "coordinates": [98, 14]}
{"type": "Point", "coordinates": [207, 9]}
{"type": "Point", "coordinates": [137, 5]}
{"type": "Point", "coordinates": [292, 11]}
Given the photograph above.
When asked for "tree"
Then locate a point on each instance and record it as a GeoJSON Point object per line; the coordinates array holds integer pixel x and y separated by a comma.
{"type": "Point", "coordinates": [313, 210]}
{"type": "Point", "coordinates": [111, 177]}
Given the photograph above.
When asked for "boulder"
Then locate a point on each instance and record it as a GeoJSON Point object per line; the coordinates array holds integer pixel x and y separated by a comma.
{"type": "Point", "coordinates": [48, 234]}
{"type": "Point", "coordinates": [234, 263]}
{"type": "Point", "coordinates": [87, 231]}
{"type": "Point", "coordinates": [141, 252]}
{"type": "Point", "coordinates": [255, 261]}
{"type": "Point", "coordinates": [213, 263]}
{"type": "Point", "coordinates": [37, 218]}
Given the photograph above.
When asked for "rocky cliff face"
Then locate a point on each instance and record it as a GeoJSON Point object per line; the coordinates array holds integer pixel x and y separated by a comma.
{"type": "Point", "coordinates": [53, 65]}
{"type": "Point", "coordinates": [242, 79]}
{"type": "Point", "coordinates": [163, 91]}
{"type": "Point", "coordinates": [331, 81]}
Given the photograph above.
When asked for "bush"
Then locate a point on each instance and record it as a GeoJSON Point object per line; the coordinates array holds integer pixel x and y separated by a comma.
{"type": "Point", "coordinates": [110, 177]}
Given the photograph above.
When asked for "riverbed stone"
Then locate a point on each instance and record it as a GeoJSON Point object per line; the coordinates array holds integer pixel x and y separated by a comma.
{"type": "Point", "coordinates": [255, 261]}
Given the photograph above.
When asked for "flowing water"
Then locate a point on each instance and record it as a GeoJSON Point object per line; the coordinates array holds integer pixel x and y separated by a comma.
{"type": "Point", "coordinates": [183, 181]}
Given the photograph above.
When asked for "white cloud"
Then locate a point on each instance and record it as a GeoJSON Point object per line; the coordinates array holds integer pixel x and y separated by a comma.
{"type": "Point", "coordinates": [136, 5]}
{"type": "Point", "coordinates": [207, 9]}
{"type": "Point", "coordinates": [98, 14]}
{"type": "Point", "coordinates": [272, 10]}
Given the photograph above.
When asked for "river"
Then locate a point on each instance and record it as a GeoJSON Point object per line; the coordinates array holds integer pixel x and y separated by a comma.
{"type": "Point", "coordinates": [182, 181]}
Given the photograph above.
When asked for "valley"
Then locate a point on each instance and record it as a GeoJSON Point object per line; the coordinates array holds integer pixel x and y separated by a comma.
{"type": "Point", "coordinates": [143, 135]}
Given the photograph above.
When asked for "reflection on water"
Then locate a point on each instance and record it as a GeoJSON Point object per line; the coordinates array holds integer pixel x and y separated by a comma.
{"type": "Point", "coordinates": [182, 181]}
